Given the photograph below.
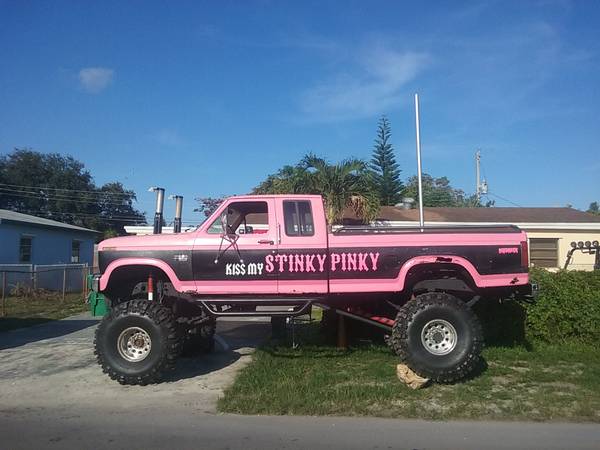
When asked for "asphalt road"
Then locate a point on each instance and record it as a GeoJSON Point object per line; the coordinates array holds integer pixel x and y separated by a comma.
{"type": "Point", "coordinates": [178, 429]}
{"type": "Point", "coordinates": [53, 395]}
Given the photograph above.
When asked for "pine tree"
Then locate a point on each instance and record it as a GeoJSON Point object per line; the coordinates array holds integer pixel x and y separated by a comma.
{"type": "Point", "coordinates": [385, 171]}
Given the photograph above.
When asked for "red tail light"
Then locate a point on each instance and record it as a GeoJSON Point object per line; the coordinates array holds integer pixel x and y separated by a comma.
{"type": "Point", "coordinates": [524, 255]}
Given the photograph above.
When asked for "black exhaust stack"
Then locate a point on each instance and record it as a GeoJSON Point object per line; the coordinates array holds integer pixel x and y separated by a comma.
{"type": "Point", "coordinates": [178, 211]}
{"type": "Point", "coordinates": [158, 215]}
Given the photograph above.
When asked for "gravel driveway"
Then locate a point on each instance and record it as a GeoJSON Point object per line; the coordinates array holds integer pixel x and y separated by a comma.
{"type": "Point", "coordinates": [52, 366]}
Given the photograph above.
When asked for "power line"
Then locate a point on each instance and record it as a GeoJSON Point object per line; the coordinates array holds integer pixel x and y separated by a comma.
{"type": "Point", "coordinates": [89, 216]}
{"type": "Point", "coordinates": [83, 215]}
{"type": "Point", "coordinates": [37, 191]}
{"type": "Point", "coordinates": [98, 192]}
{"type": "Point", "coordinates": [58, 197]}
{"type": "Point", "coordinates": [504, 199]}
{"type": "Point", "coordinates": [100, 217]}
{"type": "Point", "coordinates": [70, 199]}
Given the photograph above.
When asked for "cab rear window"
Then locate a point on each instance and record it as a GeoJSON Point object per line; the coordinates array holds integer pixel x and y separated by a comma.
{"type": "Point", "coordinates": [298, 218]}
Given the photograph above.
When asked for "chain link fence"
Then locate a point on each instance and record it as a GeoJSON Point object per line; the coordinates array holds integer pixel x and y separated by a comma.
{"type": "Point", "coordinates": [35, 290]}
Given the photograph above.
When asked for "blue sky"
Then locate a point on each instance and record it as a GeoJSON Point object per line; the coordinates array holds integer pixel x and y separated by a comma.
{"type": "Point", "coordinates": [207, 98]}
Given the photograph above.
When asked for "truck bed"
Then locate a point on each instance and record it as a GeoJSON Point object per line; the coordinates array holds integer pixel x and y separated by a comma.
{"type": "Point", "coordinates": [452, 229]}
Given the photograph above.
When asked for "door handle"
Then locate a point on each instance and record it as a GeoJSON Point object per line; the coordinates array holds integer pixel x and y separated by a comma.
{"type": "Point", "coordinates": [266, 241]}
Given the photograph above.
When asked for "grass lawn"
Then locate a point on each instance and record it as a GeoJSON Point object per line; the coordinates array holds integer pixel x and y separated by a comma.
{"type": "Point", "coordinates": [24, 312]}
{"type": "Point", "coordinates": [548, 383]}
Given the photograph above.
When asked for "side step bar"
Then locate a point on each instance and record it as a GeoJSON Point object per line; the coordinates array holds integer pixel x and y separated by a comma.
{"type": "Point", "coordinates": [238, 307]}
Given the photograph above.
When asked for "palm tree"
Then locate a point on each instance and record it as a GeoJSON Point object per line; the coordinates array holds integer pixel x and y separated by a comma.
{"type": "Point", "coordinates": [343, 185]}
{"type": "Point", "coordinates": [347, 184]}
{"type": "Point", "coordinates": [288, 180]}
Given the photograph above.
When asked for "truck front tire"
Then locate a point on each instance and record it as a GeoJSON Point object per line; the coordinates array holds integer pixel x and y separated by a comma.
{"type": "Point", "coordinates": [136, 342]}
{"type": "Point", "coordinates": [438, 337]}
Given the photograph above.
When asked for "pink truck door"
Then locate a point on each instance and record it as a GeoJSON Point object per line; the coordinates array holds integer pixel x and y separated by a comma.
{"type": "Point", "coordinates": [235, 263]}
{"type": "Point", "coordinates": [301, 261]}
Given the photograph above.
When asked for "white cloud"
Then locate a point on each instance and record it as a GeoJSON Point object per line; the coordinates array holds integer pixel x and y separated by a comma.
{"type": "Point", "coordinates": [376, 83]}
{"type": "Point", "coordinates": [95, 79]}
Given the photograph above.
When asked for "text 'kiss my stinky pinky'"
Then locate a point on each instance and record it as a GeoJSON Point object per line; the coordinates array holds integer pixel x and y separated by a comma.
{"type": "Point", "coordinates": [353, 262]}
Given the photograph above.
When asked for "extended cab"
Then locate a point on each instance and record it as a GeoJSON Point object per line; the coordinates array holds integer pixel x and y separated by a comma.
{"type": "Point", "coordinates": [278, 250]}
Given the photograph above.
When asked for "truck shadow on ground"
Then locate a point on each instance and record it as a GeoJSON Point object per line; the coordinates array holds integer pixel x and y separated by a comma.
{"type": "Point", "coordinates": [234, 340]}
{"type": "Point", "coordinates": [198, 365]}
{"type": "Point", "coordinates": [27, 331]}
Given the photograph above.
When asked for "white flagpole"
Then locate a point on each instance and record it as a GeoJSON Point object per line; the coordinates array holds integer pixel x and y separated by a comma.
{"type": "Point", "coordinates": [419, 170]}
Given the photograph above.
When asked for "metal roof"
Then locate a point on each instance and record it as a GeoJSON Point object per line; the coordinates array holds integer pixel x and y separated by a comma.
{"type": "Point", "coordinates": [13, 216]}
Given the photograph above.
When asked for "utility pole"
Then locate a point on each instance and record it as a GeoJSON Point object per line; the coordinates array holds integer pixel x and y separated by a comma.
{"type": "Point", "coordinates": [481, 187]}
{"type": "Point", "coordinates": [477, 162]}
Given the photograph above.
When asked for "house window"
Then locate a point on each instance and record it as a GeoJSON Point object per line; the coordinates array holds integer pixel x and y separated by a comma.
{"type": "Point", "coordinates": [75, 250]}
{"type": "Point", "coordinates": [543, 252]}
{"type": "Point", "coordinates": [298, 218]}
{"type": "Point", "coordinates": [25, 249]}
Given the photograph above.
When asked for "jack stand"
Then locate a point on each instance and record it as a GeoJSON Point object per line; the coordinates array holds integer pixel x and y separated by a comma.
{"type": "Point", "coordinates": [342, 341]}
{"type": "Point", "coordinates": [293, 326]}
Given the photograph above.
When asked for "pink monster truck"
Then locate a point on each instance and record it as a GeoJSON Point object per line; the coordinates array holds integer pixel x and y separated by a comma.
{"type": "Point", "coordinates": [166, 291]}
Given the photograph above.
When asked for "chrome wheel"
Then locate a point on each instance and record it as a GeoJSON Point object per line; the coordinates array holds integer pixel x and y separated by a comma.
{"type": "Point", "coordinates": [134, 344]}
{"type": "Point", "coordinates": [439, 337]}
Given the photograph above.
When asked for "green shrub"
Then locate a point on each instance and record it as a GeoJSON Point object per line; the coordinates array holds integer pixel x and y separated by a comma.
{"type": "Point", "coordinates": [567, 310]}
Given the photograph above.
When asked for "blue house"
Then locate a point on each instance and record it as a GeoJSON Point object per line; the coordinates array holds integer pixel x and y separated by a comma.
{"type": "Point", "coordinates": [26, 239]}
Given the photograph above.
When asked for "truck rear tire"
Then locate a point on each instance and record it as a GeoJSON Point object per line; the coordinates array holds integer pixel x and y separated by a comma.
{"type": "Point", "coordinates": [438, 337]}
{"type": "Point", "coordinates": [136, 342]}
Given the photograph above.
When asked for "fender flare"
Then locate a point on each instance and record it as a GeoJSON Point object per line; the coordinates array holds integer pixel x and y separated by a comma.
{"type": "Point", "coordinates": [150, 262]}
{"type": "Point", "coordinates": [439, 259]}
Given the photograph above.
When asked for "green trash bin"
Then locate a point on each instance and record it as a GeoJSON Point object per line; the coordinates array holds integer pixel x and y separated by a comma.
{"type": "Point", "coordinates": [96, 300]}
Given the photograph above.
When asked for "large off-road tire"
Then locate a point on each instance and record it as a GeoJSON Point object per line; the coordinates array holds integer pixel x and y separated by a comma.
{"type": "Point", "coordinates": [136, 342]}
{"type": "Point", "coordinates": [438, 337]}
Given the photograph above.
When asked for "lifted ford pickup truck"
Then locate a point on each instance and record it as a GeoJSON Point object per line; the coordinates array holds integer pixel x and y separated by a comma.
{"type": "Point", "coordinates": [256, 253]}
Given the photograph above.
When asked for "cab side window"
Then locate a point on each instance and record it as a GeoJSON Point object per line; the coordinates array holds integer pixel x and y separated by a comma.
{"type": "Point", "coordinates": [298, 218]}
{"type": "Point", "coordinates": [242, 218]}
